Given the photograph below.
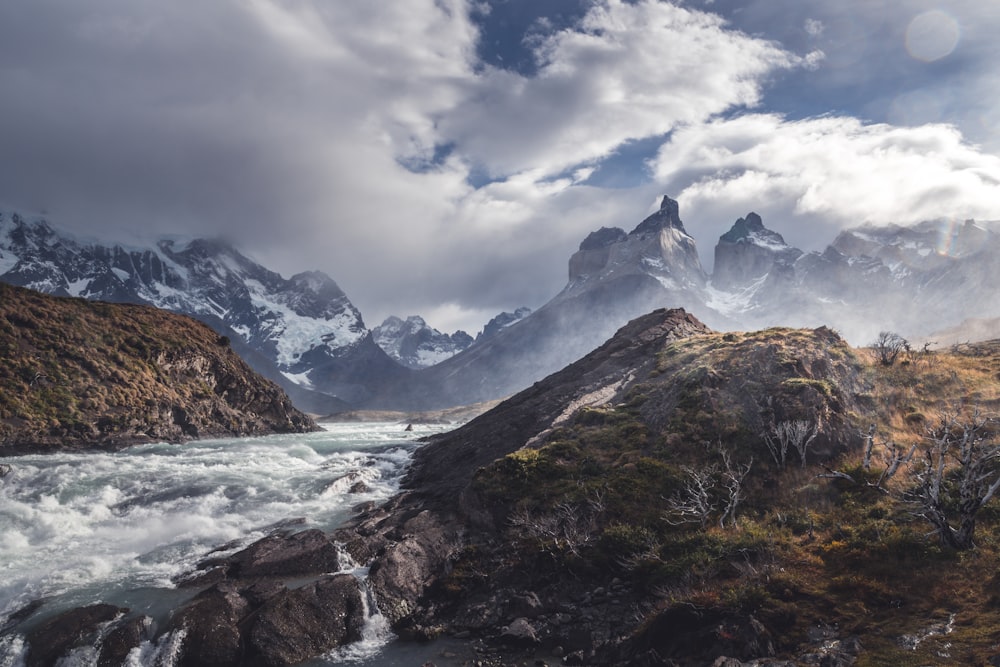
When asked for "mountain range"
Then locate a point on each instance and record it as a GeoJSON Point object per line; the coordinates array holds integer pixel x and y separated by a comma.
{"type": "Point", "coordinates": [305, 333]}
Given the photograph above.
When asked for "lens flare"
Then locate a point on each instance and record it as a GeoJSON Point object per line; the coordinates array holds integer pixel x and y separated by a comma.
{"type": "Point", "coordinates": [932, 35]}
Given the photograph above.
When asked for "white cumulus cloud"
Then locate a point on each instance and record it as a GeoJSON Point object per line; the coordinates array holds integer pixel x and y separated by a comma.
{"type": "Point", "coordinates": [831, 171]}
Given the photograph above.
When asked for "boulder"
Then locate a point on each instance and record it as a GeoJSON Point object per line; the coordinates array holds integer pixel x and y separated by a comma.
{"type": "Point", "coordinates": [211, 623]}
{"type": "Point", "coordinates": [305, 552]}
{"type": "Point", "coordinates": [519, 633]}
{"type": "Point", "coordinates": [305, 622]}
{"type": "Point", "coordinates": [120, 641]}
{"type": "Point", "coordinates": [60, 634]}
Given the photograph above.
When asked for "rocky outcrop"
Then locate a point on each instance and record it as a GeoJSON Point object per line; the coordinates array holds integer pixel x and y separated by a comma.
{"type": "Point", "coordinates": [73, 629]}
{"type": "Point", "coordinates": [279, 601]}
{"type": "Point", "coordinates": [748, 252]}
{"type": "Point", "coordinates": [474, 552]}
{"type": "Point", "coordinates": [82, 374]}
{"type": "Point", "coordinates": [614, 278]}
{"type": "Point", "coordinates": [248, 614]}
{"type": "Point", "coordinates": [279, 554]}
{"type": "Point", "coordinates": [248, 622]}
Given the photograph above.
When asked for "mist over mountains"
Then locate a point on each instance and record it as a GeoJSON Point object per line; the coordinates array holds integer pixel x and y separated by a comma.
{"type": "Point", "coordinates": [304, 331]}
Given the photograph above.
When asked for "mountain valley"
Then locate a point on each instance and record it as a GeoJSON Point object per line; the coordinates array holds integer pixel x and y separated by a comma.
{"type": "Point", "coordinates": [304, 332]}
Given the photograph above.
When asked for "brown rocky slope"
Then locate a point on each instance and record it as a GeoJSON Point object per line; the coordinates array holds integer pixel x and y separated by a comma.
{"type": "Point", "coordinates": [79, 374]}
{"type": "Point", "coordinates": [531, 526]}
{"type": "Point", "coordinates": [633, 509]}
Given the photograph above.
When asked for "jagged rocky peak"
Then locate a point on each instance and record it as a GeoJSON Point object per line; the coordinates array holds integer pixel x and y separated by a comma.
{"type": "Point", "coordinates": [415, 344]}
{"type": "Point", "coordinates": [667, 217]}
{"type": "Point", "coordinates": [279, 320]}
{"type": "Point", "coordinates": [749, 251]}
{"type": "Point", "coordinates": [502, 321]}
{"type": "Point", "coordinates": [930, 243]}
{"type": "Point", "coordinates": [659, 247]}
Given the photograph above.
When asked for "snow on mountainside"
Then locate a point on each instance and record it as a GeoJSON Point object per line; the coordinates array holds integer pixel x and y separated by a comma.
{"type": "Point", "coordinates": [913, 280]}
{"type": "Point", "coordinates": [501, 322]}
{"type": "Point", "coordinates": [415, 344]}
{"type": "Point", "coordinates": [909, 279]}
{"type": "Point", "coordinates": [281, 319]}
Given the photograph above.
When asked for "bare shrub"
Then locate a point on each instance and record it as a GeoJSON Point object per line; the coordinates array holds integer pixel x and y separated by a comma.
{"type": "Point", "coordinates": [950, 497]}
{"type": "Point", "coordinates": [888, 346]}
{"type": "Point", "coordinates": [796, 434]}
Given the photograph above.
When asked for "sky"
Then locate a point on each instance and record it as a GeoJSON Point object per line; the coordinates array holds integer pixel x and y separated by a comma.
{"type": "Point", "coordinates": [446, 157]}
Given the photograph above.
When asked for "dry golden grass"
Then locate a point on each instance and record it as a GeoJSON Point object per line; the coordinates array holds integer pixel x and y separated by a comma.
{"type": "Point", "coordinates": [74, 371]}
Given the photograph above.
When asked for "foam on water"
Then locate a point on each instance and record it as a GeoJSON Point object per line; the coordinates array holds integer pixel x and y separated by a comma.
{"type": "Point", "coordinates": [117, 527]}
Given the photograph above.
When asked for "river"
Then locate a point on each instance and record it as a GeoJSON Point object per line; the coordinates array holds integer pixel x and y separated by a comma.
{"type": "Point", "coordinates": [81, 528]}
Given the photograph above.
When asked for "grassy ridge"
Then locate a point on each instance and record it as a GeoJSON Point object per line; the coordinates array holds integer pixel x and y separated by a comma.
{"type": "Point", "coordinates": [77, 373]}
{"type": "Point", "coordinates": [596, 498]}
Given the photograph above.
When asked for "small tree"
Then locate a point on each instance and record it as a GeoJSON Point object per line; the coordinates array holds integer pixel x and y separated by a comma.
{"type": "Point", "coordinates": [693, 503]}
{"type": "Point", "coordinates": [888, 346]}
{"type": "Point", "coordinates": [699, 498]}
{"type": "Point", "coordinates": [893, 457]}
{"type": "Point", "coordinates": [950, 505]}
{"type": "Point", "coordinates": [790, 433]}
{"type": "Point", "coordinates": [732, 478]}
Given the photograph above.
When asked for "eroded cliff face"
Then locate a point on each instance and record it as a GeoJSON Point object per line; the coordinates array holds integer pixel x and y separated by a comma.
{"type": "Point", "coordinates": [659, 247]}
{"type": "Point", "coordinates": [80, 374]}
{"type": "Point", "coordinates": [748, 252]}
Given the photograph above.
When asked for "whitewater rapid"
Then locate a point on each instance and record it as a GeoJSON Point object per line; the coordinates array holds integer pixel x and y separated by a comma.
{"type": "Point", "coordinates": [81, 528]}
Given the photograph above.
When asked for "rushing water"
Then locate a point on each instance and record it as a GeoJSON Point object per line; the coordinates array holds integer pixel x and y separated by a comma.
{"type": "Point", "coordinates": [76, 529]}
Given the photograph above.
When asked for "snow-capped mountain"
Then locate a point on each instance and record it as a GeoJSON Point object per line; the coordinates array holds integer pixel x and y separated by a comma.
{"type": "Point", "coordinates": [659, 248]}
{"type": "Point", "coordinates": [748, 252]}
{"type": "Point", "coordinates": [911, 280]}
{"type": "Point", "coordinates": [501, 322]}
{"type": "Point", "coordinates": [295, 324]}
{"type": "Point", "coordinates": [414, 344]}
{"type": "Point", "coordinates": [614, 277]}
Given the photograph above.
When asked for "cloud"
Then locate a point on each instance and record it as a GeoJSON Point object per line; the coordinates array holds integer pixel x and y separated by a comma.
{"type": "Point", "coordinates": [829, 172]}
{"type": "Point", "coordinates": [352, 136]}
{"type": "Point", "coordinates": [626, 71]}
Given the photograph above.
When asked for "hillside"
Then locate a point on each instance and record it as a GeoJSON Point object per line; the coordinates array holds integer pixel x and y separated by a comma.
{"type": "Point", "coordinates": [630, 510]}
{"type": "Point", "coordinates": [678, 497]}
{"type": "Point", "coordinates": [77, 373]}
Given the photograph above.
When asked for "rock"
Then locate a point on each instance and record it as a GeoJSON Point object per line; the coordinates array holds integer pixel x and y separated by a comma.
{"type": "Point", "coordinates": [519, 633]}
{"type": "Point", "coordinates": [118, 643]}
{"type": "Point", "coordinates": [405, 568]}
{"type": "Point", "coordinates": [308, 621]}
{"type": "Point", "coordinates": [21, 614]}
{"type": "Point", "coordinates": [306, 552]}
{"type": "Point", "coordinates": [262, 622]}
{"type": "Point", "coordinates": [212, 627]}
{"type": "Point", "coordinates": [723, 661]}
{"type": "Point", "coordinates": [55, 637]}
